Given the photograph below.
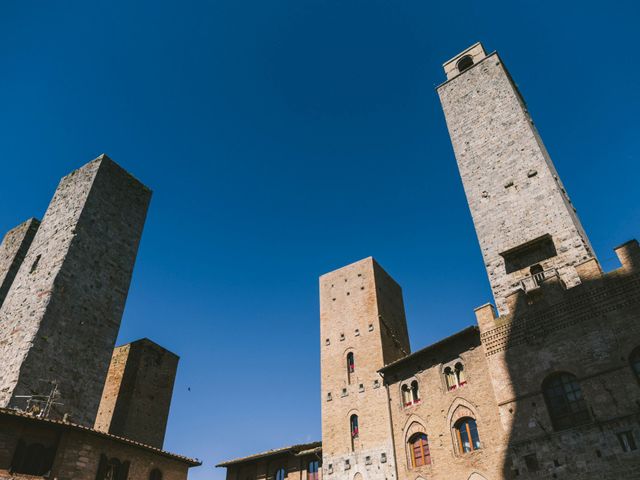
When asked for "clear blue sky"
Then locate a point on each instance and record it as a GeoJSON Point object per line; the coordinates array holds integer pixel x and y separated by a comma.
{"type": "Point", "coordinates": [284, 139]}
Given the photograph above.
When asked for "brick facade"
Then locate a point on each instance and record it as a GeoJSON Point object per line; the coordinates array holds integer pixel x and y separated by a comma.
{"type": "Point", "coordinates": [137, 393]}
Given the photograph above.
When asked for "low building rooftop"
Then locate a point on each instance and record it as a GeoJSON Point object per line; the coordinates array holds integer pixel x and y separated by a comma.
{"type": "Point", "coordinates": [430, 348]}
{"type": "Point", "coordinates": [300, 449]}
{"type": "Point", "coordinates": [8, 412]}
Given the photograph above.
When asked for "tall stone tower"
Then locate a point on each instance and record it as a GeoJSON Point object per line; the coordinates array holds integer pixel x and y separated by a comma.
{"type": "Point", "coordinates": [137, 394]}
{"type": "Point", "coordinates": [526, 224]}
{"type": "Point", "coordinates": [363, 328]}
{"type": "Point", "coordinates": [62, 313]}
{"type": "Point", "coordinates": [15, 245]}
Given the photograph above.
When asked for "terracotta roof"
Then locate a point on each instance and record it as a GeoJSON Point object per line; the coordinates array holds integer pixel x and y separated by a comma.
{"type": "Point", "coordinates": [192, 462]}
{"type": "Point", "coordinates": [433, 346]}
{"type": "Point", "coordinates": [300, 449]}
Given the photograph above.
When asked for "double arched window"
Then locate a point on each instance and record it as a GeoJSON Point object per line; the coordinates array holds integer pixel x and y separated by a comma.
{"type": "Point", "coordinates": [634, 359]}
{"type": "Point", "coordinates": [410, 393]}
{"type": "Point", "coordinates": [455, 376]}
{"type": "Point", "coordinates": [466, 432]}
{"type": "Point", "coordinates": [419, 448]}
{"type": "Point", "coordinates": [351, 366]}
{"type": "Point", "coordinates": [565, 402]}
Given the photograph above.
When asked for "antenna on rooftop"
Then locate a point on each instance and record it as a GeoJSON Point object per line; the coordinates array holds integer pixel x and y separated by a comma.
{"type": "Point", "coordinates": [40, 406]}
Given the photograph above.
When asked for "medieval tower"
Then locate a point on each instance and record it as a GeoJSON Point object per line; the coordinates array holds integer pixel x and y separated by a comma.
{"type": "Point", "coordinates": [137, 393]}
{"type": "Point", "coordinates": [363, 328]}
{"type": "Point", "coordinates": [524, 219]}
{"type": "Point", "coordinates": [61, 316]}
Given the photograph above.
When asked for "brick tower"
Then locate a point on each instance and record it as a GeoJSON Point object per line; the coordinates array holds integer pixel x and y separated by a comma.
{"type": "Point", "coordinates": [524, 219]}
{"type": "Point", "coordinates": [137, 394]}
{"type": "Point", "coordinates": [62, 313]}
{"type": "Point", "coordinates": [363, 328]}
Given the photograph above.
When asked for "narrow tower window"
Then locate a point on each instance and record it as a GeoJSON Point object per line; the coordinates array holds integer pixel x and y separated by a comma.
{"type": "Point", "coordinates": [464, 63]}
{"type": "Point", "coordinates": [355, 432]}
{"type": "Point", "coordinates": [563, 395]}
{"type": "Point", "coordinates": [351, 366]}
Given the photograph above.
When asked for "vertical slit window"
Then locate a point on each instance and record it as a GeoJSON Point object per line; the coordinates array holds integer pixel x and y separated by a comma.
{"type": "Point", "coordinates": [351, 366]}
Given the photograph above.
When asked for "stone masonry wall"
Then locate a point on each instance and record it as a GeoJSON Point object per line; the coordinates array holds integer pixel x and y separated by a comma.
{"type": "Point", "coordinates": [14, 247]}
{"type": "Point", "coordinates": [588, 331]}
{"type": "Point", "coordinates": [351, 301]}
{"type": "Point", "coordinates": [137, 394]}
{"type": "Point", "coordinates": [62, 314]}
{"type": "Point", "coordinates": [513, 190]}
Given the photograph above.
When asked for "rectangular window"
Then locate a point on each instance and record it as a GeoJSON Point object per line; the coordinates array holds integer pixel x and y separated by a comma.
{"type": "Point", "coordinates": [627, 441]}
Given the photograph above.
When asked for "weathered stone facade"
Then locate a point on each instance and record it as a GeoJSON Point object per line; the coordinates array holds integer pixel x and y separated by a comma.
{"type": "Point", "coordinates": [137, 393]}
{"type": "Point", "coordinates": [62, 313]}
{"type": "Point", "coordinates": [548, 388]}
{"type": "Point", "coordinates": [520, 208]}
{"type": "Point", "coordinates": [15, 245]}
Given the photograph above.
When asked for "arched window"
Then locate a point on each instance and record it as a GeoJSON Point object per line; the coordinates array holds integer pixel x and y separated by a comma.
{"type": "Point", "coordinates": [466, 431]}
{"type": "Point", "coordinates": [415, 392]}
{"type": "Point", "coordinates": [419, 446]}
{"type": "Point", "coordinates": [406, 395]}
{"type": "Point", "coordinates": [312, 470]}
{"type": "Point", "coordinates": [351, 366]}
{"type": "Point", "coordinates": [353, 425]}
{"type": "Point", "coordinates": [460, 376]}
{"type": "Point", "coordinates": [634, 359]}
{"type": "Point", "coordinates": [563, 395]}
{"type": "Point", "coordinates": [455, 377]}
{"type": "Point", "coordinates": [465, 63]}
{"type": "Point", "coordinates": [155, 474]}
{"type": "Point", "coordinates": [280, 474]}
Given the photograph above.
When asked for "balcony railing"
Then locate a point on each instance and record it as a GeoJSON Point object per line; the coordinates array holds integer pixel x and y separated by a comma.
{"type": "Point", "coordinates": [534, 281]}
